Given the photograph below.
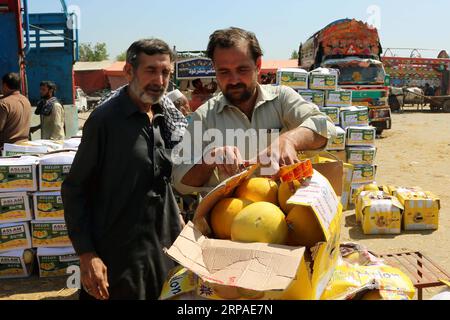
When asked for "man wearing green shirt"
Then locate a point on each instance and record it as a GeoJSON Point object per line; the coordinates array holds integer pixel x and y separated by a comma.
{"type": "Point", "coordinates": [245, 108]}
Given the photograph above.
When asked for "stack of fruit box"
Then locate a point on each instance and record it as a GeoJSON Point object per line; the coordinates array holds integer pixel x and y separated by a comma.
{"type": "Point", "coordinates": [49, 232]}
{"type": "Point", "coordinates": [225, 268]}
{"type": "Point", "coordinates": [17, 178]}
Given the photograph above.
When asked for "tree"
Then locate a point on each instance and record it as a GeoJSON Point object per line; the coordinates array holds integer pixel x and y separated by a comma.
{"type": "Point", "coordinates": [98, 52]}
{"type": "Point", "coordinates": [122, 56]}
{"type": "Point", "coordinates": [294, 54]}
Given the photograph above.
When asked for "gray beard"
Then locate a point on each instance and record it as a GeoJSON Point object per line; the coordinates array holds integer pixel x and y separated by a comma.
{"type": "Point", "coordinates": [144, 97]}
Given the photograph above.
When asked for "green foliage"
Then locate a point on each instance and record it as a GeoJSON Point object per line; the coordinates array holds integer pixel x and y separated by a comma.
{"type": "Point", "coordinates": [97, 52]}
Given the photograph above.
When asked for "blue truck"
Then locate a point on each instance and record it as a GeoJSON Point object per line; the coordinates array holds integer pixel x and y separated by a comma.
{"type": "Point", "coordinates": [41, 46]}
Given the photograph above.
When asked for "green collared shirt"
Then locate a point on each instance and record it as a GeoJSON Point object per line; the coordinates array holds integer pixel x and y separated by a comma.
{"type": "Point", "coordinates": [278, 109]}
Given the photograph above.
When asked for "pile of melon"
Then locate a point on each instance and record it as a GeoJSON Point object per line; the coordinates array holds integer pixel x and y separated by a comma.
{"type": "Point", "coordinates": [258, 212]}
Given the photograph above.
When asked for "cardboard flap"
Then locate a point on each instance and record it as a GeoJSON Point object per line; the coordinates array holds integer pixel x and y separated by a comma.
{"type": "Point", "coordinates": [253, 266]}
{"type": "Point", "coordinates": [334, 172]}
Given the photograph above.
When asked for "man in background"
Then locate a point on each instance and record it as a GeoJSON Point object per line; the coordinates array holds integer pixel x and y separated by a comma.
{"type": "Point", "coordinates": [51, 112]}
{"type": "Point", "coordinates": [15, 111]}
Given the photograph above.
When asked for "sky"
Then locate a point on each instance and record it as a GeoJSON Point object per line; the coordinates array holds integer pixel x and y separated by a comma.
{"type": "Point", "coordinates": [280, 25]}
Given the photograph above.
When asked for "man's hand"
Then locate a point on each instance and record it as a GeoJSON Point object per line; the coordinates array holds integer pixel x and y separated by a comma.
{"type": "Point", "coordinates": [227, 159]}
{"type": "Point", "coordinates": [280, 153]}
{"type": "Point", "coordinates": [94, 277]}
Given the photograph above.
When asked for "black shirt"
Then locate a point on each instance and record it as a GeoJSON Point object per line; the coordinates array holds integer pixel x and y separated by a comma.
{"type": "Point", "coordinates": [117, 197]}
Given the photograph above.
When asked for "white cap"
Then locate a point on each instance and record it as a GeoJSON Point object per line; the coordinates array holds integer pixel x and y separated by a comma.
{"type": "Point", "coordinates": [175, 95]}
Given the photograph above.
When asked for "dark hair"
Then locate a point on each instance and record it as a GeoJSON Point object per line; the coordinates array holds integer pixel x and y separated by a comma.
{"type": "Point", "coordinates": [49, 84]}
{"type": "Point", "coordinates": [149, 47]}
{"type": "Point", "coordinates": [12, 80]}
{"type": "Point", "coordinates": [232, 37]}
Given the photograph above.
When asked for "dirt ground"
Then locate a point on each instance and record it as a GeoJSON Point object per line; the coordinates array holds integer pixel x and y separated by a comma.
{"type": "Point", "coordinates": [415, 152]}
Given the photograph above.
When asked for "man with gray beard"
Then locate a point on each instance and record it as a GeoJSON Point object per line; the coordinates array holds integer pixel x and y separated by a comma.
{"type": "Point", "coordinates": [119, 206]}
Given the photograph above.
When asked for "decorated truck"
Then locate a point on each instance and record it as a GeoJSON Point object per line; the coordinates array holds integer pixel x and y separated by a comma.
{"type": "Point", "coordinates": [352, 47]}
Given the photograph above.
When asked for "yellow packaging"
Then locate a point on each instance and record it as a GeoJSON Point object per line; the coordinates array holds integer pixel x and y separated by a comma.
{"type": "Point", "coordinates": [18, 174]}
{"type": "Point", "coordinates": [347, 185]}
{"type": "Point", "coordinates": [48, 206]}
{"type": "Point", "coordinates": [312, 275]}
{"type": "Point", "coordinates": [49, 234]}
{"type": "Point", "coordinates": [15, 236]}
{"type": "Point", "coordinates": [53, 169]}
{"type": "Point", "coordinates": [14, 207]}
{"type": "Point", "coordinates": [421, 209]}
{"type": "Point", "coordinates": [350, 277]}
{"type": "Point", "coordinates": [16, 264]}
{"type": "Point", "coordinates": [380, 213]}
{"type": "Point", "coordinates": [180, 282]}
{"type": "Point", "coordinates": [53, 262]}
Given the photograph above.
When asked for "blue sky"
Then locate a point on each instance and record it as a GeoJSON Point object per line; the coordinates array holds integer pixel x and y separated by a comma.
{"type": "Point", "coordinates": [280, 25]}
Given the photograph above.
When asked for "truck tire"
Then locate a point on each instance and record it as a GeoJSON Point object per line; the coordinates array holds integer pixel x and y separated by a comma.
{"type": "Point", "coordinates": [446, 106]}
{"type": "Point", "coordinates": [434, 108]}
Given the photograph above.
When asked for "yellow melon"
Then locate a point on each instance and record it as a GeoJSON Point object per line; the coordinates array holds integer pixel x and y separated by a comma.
{"type": "Point", "coordinates": [258, 190]}
{"type": "Point", "coordinates": [285, 192]}
{"type": "Point", "coordinates": [260, 222]}
{"type": "Point", "coordinates": [372, 295]}
{"type": "Point", "coordinates": [223, 214]}
{"type": "Point", "coordinates": [304, 228]}
{"type": "Point", "coordinates": [28, 256]}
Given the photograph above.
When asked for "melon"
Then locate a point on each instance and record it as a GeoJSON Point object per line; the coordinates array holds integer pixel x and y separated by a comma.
{"type": "Point", "coordinates": [304, 228]}
{"type": "Point", "coordinates": [285, 192]}
{"type": "Point", "coordinates": [28, 256]}
{"type": "Point", "coordinates": [258, 190]}
{"type": "Point", "coordinates": [260, 222]}
{"type": "Point", "coordinates": [223, 213]}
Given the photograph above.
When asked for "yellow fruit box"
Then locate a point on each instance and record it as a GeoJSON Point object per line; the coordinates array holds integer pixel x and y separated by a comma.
{"type": "Point", "coordinates": [259, 270]}
{"type": "Point", "coordinates": [421, 209]}
{"type": "Point", "coordinates": [18, 174]}
{"type": "Point", "coordinates": [380, 213]}
{"type": "Point", "coordinates": [15, 236]}
{"type": "Point", "coordinates": [360, 136]}
{"type": "Point", "coordinates": [322, 81]}
{"type": "Point", "coordinates": [361, 155]}
{"type": "Point", "coordinates": [293, 77]}
{"type": "Point", "coordinates": [364, 173]}
{"type": "Point", "coordinates": [16, 264]}
{"type": "Point", "coordinates": [14, 207]}
{"type": "Point", "coordinates": [49, 234]}
{"type": "Point", "coordinates": [53, 262]}
{"type": "Point", "coordinates": [354, 116]}
{"type": "Point", "coordinates": [48, 206]}
{"type": "Point", "coordinates": [339, 98]}
{"type": "Point", "coordinates": [53, 169]}
{"type": "Point", "coordinates": [338, 143]}
{"type": "Point", "coordinates": [315, 96]}
{"type": "Point", "coordinates": [333, 113]}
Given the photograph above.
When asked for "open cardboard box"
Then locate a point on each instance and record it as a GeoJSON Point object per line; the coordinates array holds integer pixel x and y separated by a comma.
{"type": "Point", "coordinates": [274, 271]}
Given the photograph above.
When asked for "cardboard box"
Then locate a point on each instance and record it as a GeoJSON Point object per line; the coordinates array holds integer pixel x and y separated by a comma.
{"type": "Point", "coordinates": [53, 262]}
{"type": "Point", "coordinates": [361, 155]}
{"type": "Point", "coordinates": [48, 206]}
{"type": "Point", "coordinates": [347, 186]}
{"type": "Point", "coordinates": [323, 79]}
{"type": "Point", "coordinates": [12, 150]}
{"type": "Point", "coordinates": [14, 207]}
{"type": "Point", "coordinates": [355, 190]}
{"type": "Point", "coordinates": [360, 136]}
{"type": "Point", "coordinates": [364, 173]}
{"type": "Point", "coordinates": [315, 96]}
{"type": "Point", "coordinates": [12, 264]}
{"type": "Point", "coordinates": [50, 234]}
{"type": "Point", "coordinates": [333, 113]}
{"type": "Point", "coordinates": [421, 209]}
{"type": "Point", "coordinates": [18, 174]}
{"type": "Point", "coordinates": [339, 98]}
{"type": "Point", "coordinates": [380, 213]}
{"type": "Point", "coordinates": [15, 236]}
{"type": "Point", "coordinates": [53, 169]}
{"type": "Point", "coordinates": [293, 77]}
{"type": "Point", "coordinates": [354, 116]}
{"type": "Point", "coordinates": [72, 143]}
{"type": "Point", "coordinates": [272, 270]}
{"type": "Point", "coordinates": [338, 143]}
{"type": "Point", "coordinates": [340, 155]}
